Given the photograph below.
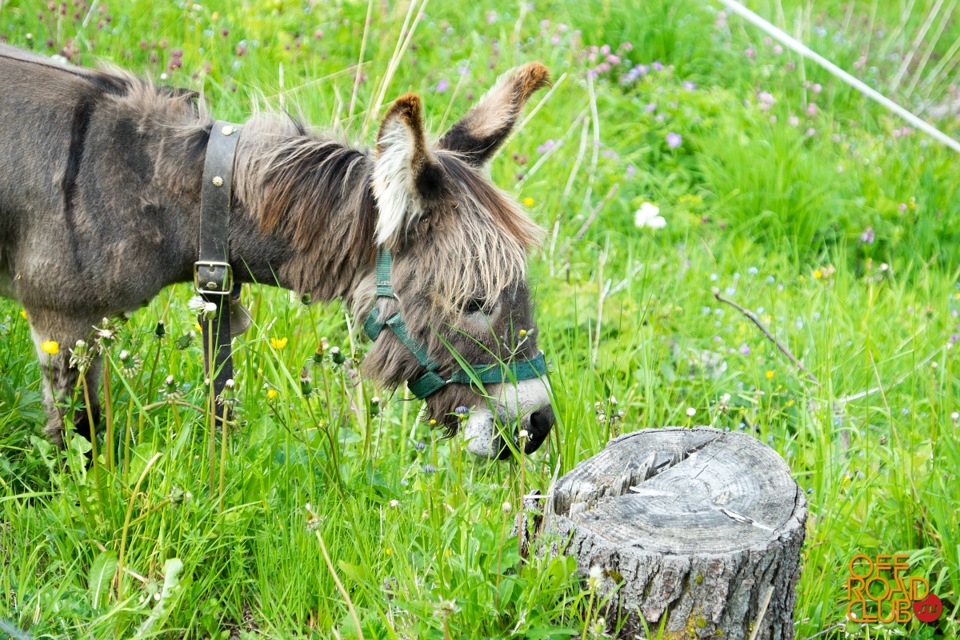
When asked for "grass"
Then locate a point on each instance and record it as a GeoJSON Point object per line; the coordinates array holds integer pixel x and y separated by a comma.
{"type": "Point", "coordinates": [331, 514]}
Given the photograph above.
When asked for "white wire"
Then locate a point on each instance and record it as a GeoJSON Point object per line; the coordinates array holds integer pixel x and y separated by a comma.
{"type": "Point", "coordinates": [797, 46]}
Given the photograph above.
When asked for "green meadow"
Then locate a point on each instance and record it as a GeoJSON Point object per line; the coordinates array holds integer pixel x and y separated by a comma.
{"type": "Point", "coordinates": [678, 154]}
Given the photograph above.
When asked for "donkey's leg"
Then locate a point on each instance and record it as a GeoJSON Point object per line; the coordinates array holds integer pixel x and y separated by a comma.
{"type": "Point", "coordinates": [60, 380]}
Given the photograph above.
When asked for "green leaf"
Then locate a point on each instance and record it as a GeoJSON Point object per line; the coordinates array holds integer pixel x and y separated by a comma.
{"type": "Point", "coordinates": [102, 570]}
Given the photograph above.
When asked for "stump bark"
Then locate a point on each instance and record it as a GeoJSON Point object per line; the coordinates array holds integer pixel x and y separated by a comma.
{"type": "Point", "coordinates": [700, 525]}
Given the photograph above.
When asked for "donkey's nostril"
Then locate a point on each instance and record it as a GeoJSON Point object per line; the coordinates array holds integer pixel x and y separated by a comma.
{"type": "Point", "coordinates": [541, 421]}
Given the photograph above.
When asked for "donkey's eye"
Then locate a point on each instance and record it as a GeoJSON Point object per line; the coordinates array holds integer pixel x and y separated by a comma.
{"type": "Point", "coordinates": [474, 305]}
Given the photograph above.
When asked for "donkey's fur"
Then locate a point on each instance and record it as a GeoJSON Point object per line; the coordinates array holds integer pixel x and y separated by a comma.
{"type": "Point", "coordinates": [99, 210]}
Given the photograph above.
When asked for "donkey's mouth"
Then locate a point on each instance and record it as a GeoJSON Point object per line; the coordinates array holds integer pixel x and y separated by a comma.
{"type": "Point", "coordinates": [489, 425]}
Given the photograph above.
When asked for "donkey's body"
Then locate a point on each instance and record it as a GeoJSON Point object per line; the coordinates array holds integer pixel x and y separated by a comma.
{"type": "Point", "coordinates": [100, 179]}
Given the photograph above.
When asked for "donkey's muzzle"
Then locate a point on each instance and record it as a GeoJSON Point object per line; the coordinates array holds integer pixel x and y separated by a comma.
{"type": "Point", "coordinates": [537, 426]}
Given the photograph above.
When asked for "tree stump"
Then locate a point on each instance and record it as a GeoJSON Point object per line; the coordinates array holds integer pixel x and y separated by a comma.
{"type": "Point", "coordinates": [699, 525]}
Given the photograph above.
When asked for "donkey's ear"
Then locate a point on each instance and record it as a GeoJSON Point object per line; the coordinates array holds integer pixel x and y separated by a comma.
{"type": "Point", "coordinates": [407, 177]}
{"type": "Point", "coordinates": [487, 124]}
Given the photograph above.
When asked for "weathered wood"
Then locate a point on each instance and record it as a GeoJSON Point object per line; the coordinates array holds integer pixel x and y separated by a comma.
{"type": "Point", "coordinates": [697, 524]}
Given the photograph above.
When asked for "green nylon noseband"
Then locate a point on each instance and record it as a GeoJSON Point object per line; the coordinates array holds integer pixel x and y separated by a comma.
{"type": "Point", "coordinates": [431, 381]}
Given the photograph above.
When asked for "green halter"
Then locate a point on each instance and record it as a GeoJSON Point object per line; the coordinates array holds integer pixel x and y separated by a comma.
{"type": "Point", "coordinates": [431, 381]}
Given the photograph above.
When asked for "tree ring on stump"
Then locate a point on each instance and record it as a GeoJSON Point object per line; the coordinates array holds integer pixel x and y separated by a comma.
{"type": "Point", "coordinates": [701, 524]}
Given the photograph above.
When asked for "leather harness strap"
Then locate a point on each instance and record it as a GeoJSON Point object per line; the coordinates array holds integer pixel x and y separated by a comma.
{"type": "Point", "coordinates": [212, 274]}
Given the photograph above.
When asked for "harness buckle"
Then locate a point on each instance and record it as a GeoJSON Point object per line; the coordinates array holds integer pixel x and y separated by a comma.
{"type": "Point", "coordinates": [212, 278]}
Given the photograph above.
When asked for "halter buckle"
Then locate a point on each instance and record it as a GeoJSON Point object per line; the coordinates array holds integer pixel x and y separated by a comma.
{"type": "Point", "coordinates": [212, 278]}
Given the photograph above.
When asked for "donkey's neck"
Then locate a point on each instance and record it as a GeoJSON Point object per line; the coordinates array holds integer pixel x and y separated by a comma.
{"type": "Point", "coordinates": [308, 207]}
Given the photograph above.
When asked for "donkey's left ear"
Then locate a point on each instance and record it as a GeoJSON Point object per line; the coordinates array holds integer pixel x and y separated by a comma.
{"type": "Point", "coordinates": [407, 177]}
{"type": "Point", "coordinates": [485, 127]}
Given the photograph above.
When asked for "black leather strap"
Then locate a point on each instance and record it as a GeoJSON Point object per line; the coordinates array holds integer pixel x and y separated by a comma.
{"type": "Point", "coordinates": [213, 277]}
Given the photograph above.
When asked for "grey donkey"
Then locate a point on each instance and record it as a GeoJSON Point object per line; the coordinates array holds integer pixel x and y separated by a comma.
{"type": "Point", "coordinates": [100, 182]}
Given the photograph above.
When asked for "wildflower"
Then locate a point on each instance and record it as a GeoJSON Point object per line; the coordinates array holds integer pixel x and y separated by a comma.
{"type": "Point", "coordinates": [462, 412]}
{"type": "Point", "coordinates": [198, 305]}
{"type": "Point", "coordinates": [650, 108]}
{"type": "Point", "coordinates": [306, 388]}
{"type": "Point", "coordinates": [271, 394]}
{"type": "Point", "coordinates": [648, 215]}
{"type": "Point", "coordinates": [812, 109]}
{"type": "Point", "coordinates": [596, 577]}
{"type": "Point", "coordinates": [443, 85]}
{"type": "Point", "coordinates": [777, 49]}
{"type": "Point", "coordinates": [170, 390]}
{"type": "Point", "coordinates": [394, 504]}
{"type": "Point", "coordinates": [80, 356]}
{"type": "Point", "coordinates": [313, 518]}
{"type": "Point", "coordinates": [51, 347]}
{"type": "Point", "coordinates": [691, 412]}
{"type": "Point", "coordinates": [955, 416]}
{"type": "Point", "coordinates": [769, 374]}
{"type": "Point", "coordinates": [674, 140]}
{"type": "Point", "coordinates": [793, 120]}
{"type": "Point", "coordinates": [129, 363]}
{"type": "Point", "coordinates": [817, 274]}
{"type": "Point", "coordinates": [868, 236]}
{"type": "Point", "coordinates": [546, 146]}
{"type": "Point", "coordinates": [278, 343]}
{"type": "Point", "coordinates": [387, 551]}
{"type": "Point", "coordinates": [689, 86]}
{"type": "Point", "coordinates": [524, 435]}
{"type": "Point", "coordinates": [429, 468]}
{"type": "Point", "coordinates": [23, 313]}
{"type": "Point", "coordinates": [766, 100]}
{"type": "Point", "coordinates": [528, 201]}
{"type": "Point", "coordinates": [523, 333]}
{"type": "Point", "coordinates": [506, 507]}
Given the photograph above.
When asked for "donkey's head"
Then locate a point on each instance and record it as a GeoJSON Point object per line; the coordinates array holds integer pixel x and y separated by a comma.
{"type": "Point", "coordinates": [452, 314]}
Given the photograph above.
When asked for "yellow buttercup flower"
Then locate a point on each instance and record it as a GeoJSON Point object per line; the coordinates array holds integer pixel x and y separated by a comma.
{"type": "Point", "coordinates": [817, 274]}
{"type": "Point", "coordinates": [271, 394]}
{"type": "Point", "coordinates": [23, 313]}
{"type": "Point", "coordinates": [51, 347]}
{"type": "Point", "coordinates": [278, 343]}
{"type": "Point", "coordinates": [528, 201]}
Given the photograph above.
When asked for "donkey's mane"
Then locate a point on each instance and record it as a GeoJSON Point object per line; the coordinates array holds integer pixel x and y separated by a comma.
{"type": "Point", "coordinates": [315, 192]}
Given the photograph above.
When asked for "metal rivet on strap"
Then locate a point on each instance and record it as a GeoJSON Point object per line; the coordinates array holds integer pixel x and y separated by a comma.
{"type": "Point", "coordinates": [228, 130]}
{"type": "Point", "coordinates": [217, 181]}
{"type": "Point", "coordinates": [211, 285]}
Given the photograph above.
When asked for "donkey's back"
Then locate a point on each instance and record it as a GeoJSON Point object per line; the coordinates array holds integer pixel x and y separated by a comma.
{"type": "Point", "coordinates": [79, 195]}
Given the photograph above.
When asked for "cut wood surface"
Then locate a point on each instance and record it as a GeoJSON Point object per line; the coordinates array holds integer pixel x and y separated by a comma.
{"type": "Point", "coordinates": [702, 525]}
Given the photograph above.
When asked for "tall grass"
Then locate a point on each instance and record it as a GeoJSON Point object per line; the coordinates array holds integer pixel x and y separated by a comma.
{"type": "Point", "coordinates": [838, 229]}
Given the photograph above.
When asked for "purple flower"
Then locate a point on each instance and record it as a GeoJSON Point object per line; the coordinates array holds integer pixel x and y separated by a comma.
{"type": "Point", "coordinates": [674, 140]}
{"type": "Point", "coordinates": [650, 108]}
{"type": "Point", "coordinates": [689, 86]}
{"type": "Point", "coordinates": [442, 85]}
{"type": "Point", "coordinates": [657, 65]}
{"type": "Point", "coordinates": [744, 349]}
{"type": "Point", "coordinates": [546, 146]}
{"type": "Point", "coordinates": [631, 171]}
{"type": "Point", "coordinates": [765, 100]}
{"type": "Point", "coordinates": [868, 236]}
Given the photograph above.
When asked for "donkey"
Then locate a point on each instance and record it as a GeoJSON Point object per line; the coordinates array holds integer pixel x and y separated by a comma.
{"type": "Point", "coordinates": [100, 198]}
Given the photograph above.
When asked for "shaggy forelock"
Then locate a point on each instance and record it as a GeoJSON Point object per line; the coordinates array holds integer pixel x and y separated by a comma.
{"type": "Point", "coordinates": [482, 250]}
